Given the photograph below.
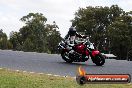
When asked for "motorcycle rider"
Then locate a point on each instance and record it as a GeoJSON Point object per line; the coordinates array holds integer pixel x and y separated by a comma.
{"type": "Point", "coordinates": [71, 37]}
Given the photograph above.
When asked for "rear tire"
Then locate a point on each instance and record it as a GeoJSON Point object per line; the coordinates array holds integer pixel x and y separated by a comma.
{"type": "Point", "coordinates": [99, 60]}
{"type": "Point", "coordinates": [65, 57]}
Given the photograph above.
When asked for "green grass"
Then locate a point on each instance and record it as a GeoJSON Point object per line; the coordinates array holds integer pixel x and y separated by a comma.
{"type": "Point", "coordinates": [12, 79]}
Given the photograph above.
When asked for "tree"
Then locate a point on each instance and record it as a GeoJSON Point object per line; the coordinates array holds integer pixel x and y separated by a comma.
{"type": "Point", "coordinates": [53, 37]}
{"type": "Point", "coordinates": [34, 30]}
{"type": "Point", "coordinates": [36, 35]}
{"type": "Point", "coordinates": [15, 39]}
{"type": "Point", "coordinates": [4, 43]}
{"type": "Point", "coordinates": [28, 45]}
{"type": "Point", "coordinates": [120, 34]}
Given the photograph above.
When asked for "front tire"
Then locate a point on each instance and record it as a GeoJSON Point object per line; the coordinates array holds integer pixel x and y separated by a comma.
{"type": "Point", "coordinates": [65, 57]}
{"type": "Point", "coordinates": [99, 60]}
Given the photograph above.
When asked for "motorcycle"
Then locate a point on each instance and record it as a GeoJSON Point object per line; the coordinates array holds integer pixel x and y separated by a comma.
{"type": "Point", "coordinates": [81, 52]}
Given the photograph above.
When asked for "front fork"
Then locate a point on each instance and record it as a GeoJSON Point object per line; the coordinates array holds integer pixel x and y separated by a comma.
{"type": "Point", "coordinates": [92, 52]}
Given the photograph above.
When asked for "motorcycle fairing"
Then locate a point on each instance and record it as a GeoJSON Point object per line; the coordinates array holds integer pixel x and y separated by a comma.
{"type": "Point", "coordinates": [95, 52]}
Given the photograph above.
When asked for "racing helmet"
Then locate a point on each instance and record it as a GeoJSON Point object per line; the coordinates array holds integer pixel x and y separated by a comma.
{"type": "Point", "coordinates": [72, 31]}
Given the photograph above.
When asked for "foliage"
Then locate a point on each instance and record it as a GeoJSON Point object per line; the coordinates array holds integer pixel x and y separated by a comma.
{"type": "Point", "coordinates": [4, 43]}
{"type": "Point", "coordinates": [120, 33]}
{"type": "Point", "coordinates": [15, 39]}
{"type": "Point", "coordinates": [36, 35]}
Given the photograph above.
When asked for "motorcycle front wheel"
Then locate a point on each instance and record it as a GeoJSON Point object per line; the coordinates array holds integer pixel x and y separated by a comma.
{"type": "Point", "coordinates": [99, 60]}
{"type": "Point", "coordinates": [65, 57]}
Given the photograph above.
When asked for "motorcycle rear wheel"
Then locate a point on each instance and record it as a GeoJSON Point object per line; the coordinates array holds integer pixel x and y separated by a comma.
{"type": "Point", "coordinates": [65, 57]}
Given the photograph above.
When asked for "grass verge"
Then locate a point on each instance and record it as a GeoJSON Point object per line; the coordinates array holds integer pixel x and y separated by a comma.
{"type": "Point", "coordinates": [13, 79]}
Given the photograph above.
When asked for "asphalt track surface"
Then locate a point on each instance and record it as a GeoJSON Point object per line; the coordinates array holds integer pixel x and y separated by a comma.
{"type": "Point", "coordinates": [53, 64]}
